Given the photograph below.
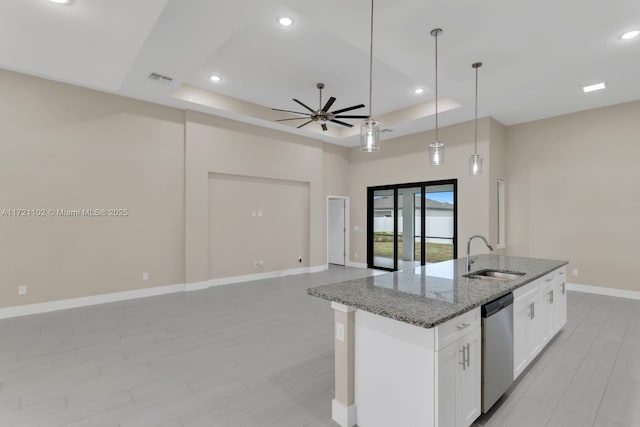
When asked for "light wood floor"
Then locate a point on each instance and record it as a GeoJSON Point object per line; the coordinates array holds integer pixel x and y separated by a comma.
{"type": "Point", "coordinates": [261, 354]}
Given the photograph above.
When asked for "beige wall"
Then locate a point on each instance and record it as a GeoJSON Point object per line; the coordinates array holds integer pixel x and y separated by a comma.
{"type": "Point", "coordinates": [572, 193]}
{"type": "Point", "coordinates": [64, 147]}
{"type": "Point", "coordinates": [256, 219]}
{"type": "Point", "coordinates": [405, 160]}
{"type": "Point", "coordinates": [216, 145]}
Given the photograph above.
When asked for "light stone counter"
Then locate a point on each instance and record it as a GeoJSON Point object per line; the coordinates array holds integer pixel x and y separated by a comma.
{"type": "Point", "coordinates": [429, 295]}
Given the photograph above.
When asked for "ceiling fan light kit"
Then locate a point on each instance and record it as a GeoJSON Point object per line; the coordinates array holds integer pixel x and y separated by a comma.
{"type": "Point", "coordinates": [370, 129]}
{"type": "Point", "coordinates": [322, 115]}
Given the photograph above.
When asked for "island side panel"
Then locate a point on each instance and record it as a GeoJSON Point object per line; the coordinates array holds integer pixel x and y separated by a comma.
{"type": "Point", "coordinates": [342, 407]}
{"type": "Point", "coordinates": [395, 378]}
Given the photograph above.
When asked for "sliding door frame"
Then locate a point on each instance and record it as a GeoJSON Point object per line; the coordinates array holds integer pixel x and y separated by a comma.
{"type": "Point", "coordinates": [423, 218]}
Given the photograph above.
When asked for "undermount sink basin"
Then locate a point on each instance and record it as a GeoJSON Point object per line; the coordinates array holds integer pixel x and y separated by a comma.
{"type": "Point", "coordinates": [489, 274]}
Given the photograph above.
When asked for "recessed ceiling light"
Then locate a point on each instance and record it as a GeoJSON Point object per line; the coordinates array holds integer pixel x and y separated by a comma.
{"type": "Point", "coordinates": [418, 91]}
{"type": "Point", "coordinates": [591, 88]}
{"type": "Point", "coordinates": [215, 78]}
{"type": "Point", "coordinates": [61, 1]}
{"type": "Point", "coordinates": [630, 34]}
{"type": "Point", "coordinates": [285, 21]}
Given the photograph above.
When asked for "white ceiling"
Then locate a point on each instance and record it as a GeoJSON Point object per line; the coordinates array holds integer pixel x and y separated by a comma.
{"type": "Point", "coordinates": [536, 55]}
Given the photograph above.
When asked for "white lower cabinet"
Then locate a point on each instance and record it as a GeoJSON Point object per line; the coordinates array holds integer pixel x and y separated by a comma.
{"type": "Point", "coordinates": [459, 379]}
{"type": "Point", "coordinates": [540, 311]}
{"type": "Point", "coordinates": [430, 377]}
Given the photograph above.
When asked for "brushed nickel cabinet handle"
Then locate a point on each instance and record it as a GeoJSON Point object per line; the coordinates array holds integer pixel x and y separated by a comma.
{"type": "Point", "coordinates": [463, 325]}
{"type": "Point", "coordinates": [463, 363]}
{"type": "Point", "coordinates": [468, 354]}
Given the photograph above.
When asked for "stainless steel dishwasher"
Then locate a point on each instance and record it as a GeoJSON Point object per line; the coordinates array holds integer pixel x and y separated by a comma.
{"type": "Point", "coordinates": [497, 349]}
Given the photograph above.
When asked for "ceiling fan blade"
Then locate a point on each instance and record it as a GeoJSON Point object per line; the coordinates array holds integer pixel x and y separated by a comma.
{"type": "Point", "coordinates": [295, 118]}
{"type": "Point", "coordinates": [342, 123]}
{"type": "Point", "coordinates": [351, 117]}
{"type": "Point", "coordinates": [304, 105]}
{"type": "Point", "coordinates": [289, 111]}
{"type": "Point", "coordinates": [304, 124]}
{"type": "Point", "coordinates": [324, 127]}
{"type": "Point", "coordinates": [355, 107]}
{"type": "Point", "coordinates": [328, 104]}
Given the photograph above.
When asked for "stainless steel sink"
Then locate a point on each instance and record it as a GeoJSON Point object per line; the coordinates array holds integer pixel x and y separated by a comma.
{"type": "Point", "coordinates": [489, 274]}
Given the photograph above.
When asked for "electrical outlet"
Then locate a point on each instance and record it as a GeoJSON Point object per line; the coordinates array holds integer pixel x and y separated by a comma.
{"type": "Point", "coordinates": [259, 213]}
{"type": "Point", "coordinates": [145, 276]}
{"type": "Point", "coordinates": [260, 263]}
{"type": "Point", "coordinates": [340, 331]}
{"type": "Point", "coordinates": [574, 272]}
{"type": "Point", "coordinates": [22, 290]}
{"type": "Point", "coordinates": [253, 213]}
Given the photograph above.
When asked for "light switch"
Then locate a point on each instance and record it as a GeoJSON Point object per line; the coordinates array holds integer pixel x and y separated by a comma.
{"type": "Point", "coordinates": [340, 331]}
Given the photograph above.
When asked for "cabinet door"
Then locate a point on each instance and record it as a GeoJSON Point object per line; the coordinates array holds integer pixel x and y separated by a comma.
{"type": "Point", "coordinates": [560, 305]}
{"type": "Point", "coordinates": [521, 339]}
{"type": "Point", "coordinates": [449, 358]}
{"type": "Point", "coordinates": [546, 314]}
{"type": "Point", "coordinates": [468, 387]}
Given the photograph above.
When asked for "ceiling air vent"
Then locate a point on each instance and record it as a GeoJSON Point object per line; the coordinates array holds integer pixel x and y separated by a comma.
{"type": "Point", "coordinates": [159, 78]}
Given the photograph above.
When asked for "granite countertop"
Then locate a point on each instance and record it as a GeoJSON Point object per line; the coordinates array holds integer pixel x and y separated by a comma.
{"type": "Point", "coordinates": [429, 295]}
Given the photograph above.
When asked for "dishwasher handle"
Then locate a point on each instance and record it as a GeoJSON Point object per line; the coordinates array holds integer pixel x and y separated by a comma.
{"type": "Point", "coordinates": [491, 308]}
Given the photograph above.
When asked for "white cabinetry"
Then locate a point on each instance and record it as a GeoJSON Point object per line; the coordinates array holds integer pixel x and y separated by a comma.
{"type": "Point", "coordinates": [459, 378]}
{"type": "Point", "coordinates": [431, 377]}
{"type": "Point", "coordinates": [540, 311]}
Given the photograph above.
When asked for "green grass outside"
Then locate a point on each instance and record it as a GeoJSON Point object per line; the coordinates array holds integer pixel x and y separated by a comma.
{"type": "Point", "coordinates": [436, 252]}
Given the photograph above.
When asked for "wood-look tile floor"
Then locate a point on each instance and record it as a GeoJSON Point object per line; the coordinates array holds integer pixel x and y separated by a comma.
{"type": "Point", "coordinates": [261, 354]}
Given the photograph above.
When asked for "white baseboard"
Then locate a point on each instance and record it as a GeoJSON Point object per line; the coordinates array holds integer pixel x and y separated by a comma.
{"type": "Point", "coordinates": [344, 416]}
{"type": "Point", "coordinates": [356, 264]}
{"type": "Point", "coordinates": [620, 293]}
{"type": "Point", "coordinates": [318, 268]}
{"type": "Point", "coordinates": [45, 307]}
{"type": "Point", "coordinates": [258, 276]}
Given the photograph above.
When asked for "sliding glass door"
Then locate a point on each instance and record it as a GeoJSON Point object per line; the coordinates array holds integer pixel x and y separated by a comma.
{"type": "Point", "coordinates": [411, 224]}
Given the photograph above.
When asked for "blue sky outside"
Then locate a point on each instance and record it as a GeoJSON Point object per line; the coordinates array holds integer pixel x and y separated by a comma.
{"type": "Point", "coordinates": [442, 196]}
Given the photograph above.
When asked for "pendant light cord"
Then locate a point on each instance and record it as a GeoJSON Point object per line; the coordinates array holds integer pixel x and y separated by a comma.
{"type": "Point", "coordinates": [371, 65]}
{"type": "Point", "coordinates": [475, 150]}
{"type": "Point", "coordinates": [436, 36]}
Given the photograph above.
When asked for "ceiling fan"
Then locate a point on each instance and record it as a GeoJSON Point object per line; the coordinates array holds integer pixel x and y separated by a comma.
{"type": "Point", "coordinates": [322, 114]}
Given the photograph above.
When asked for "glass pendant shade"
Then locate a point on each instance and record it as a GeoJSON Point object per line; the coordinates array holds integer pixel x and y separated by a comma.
{"type": "Point", "coordinates": [475, 164]}
{"type": "Point", "coordinates": [436, 153]}
{"type": "Point", "coordinates": [370, 136]}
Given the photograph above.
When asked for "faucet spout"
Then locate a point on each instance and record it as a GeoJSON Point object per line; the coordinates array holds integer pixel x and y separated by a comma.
{"type": "Point", "coordinates": [474, 236]}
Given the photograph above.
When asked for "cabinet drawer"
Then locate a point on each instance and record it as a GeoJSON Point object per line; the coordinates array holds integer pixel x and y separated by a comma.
{"type": "Point", "coordinates": [560, 275]}
{"type": "Point", "coordinates": [453, 329]}
{"type": "Point", "coordinates": [526, 291]}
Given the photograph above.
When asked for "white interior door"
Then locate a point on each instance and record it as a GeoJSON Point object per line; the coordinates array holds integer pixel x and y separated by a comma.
{"type": "Point", "coordinates": [336, 233]}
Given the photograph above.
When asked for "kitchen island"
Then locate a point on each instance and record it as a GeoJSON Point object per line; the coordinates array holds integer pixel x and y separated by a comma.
{"type": "Point", "coordinates": [408, 343]}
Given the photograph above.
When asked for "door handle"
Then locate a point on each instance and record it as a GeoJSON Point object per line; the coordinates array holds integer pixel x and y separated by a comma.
{"type": "Point", "coordinates": [463, 325]}
{"type": "Point", "coordinates": [532, 310]}
{"type": "Point", "coordinates": [468, 354]}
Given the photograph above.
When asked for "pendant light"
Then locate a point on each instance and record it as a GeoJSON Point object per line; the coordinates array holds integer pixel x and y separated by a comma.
{"type": "Point", "coordinates": [370, 129]}
{"type": "Point", "coordinates": [475, 161]}
{"type": "Point", "coordinates": [436, 148]}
